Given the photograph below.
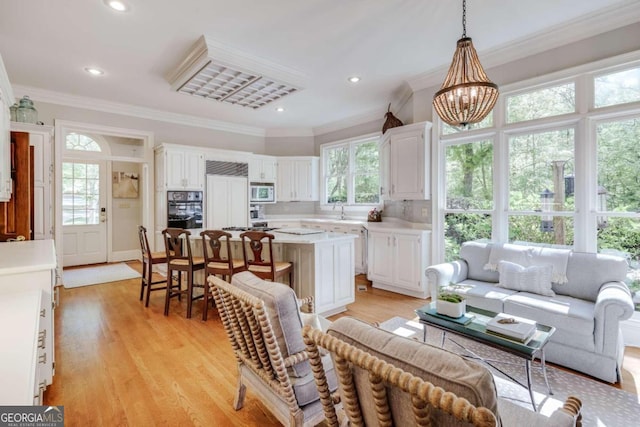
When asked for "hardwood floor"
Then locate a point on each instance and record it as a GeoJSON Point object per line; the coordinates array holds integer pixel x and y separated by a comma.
{"type": "Point", "coordinates": [119, 363]}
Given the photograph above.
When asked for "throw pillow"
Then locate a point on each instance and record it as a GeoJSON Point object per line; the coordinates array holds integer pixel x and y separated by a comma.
{"type": "Point", "coordinates": [535, 279]}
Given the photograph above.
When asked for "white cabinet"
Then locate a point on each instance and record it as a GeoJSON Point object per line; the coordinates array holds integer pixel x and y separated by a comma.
{"type": "Point", "coordinates": [263, 168]}
{"type": "Point", "coordinates": [227, 201]}
{"type": "Point", "coordinates": [6, 100]}
{"type": "Point", "coordinates": [325, 271]}
{"type": "Point", "coordinates": [398, 259]}
{"type": "Point", "coordinates": [179, 168]}
{"type": "Point", "coordinates": [406, 164]}
{"type": "Point", "coordinates": [24, 334]}
{"type": "Point", "coordinates": [298, 179]}
{"type": "Point", "coordinates": [27, 267]}
{"type": "Point", "coordinates": [40, 138]}
{"type": "Point", "coordinates": [359, 243]}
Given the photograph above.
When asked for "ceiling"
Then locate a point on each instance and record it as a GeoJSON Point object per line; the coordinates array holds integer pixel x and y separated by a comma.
{"type": "Point", "coordinates": [395, 46]}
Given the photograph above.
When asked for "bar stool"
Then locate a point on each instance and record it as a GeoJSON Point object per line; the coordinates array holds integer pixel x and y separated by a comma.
{"type": "Point", "coordinates": [266, 269]}
{"type": "Point", "coordinates": [149, 259]}
{"type": "Point", "coordinates": [213, 243]}
{"type": "Point", "coordinates": [178, 261]}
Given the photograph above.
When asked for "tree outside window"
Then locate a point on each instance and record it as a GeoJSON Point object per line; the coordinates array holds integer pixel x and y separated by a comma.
{"type": "Point", "coordinates": [352, 173]}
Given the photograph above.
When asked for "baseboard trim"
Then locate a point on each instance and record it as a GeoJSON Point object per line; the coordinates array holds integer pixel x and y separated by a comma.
{"type": "Point", "coordinates": [125, 255]}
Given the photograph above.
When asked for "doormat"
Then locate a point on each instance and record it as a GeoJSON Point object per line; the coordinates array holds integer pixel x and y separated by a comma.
{"type": "Point", "coordinates": [95, 275]}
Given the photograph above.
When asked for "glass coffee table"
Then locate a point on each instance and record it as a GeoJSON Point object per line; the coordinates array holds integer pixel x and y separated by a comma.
{"type": "Point", "coordinates": [476, 330]}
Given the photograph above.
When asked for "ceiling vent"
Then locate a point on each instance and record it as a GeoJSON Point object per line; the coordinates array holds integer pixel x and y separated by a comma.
{"type": "Point", "coordinates": [214, 71]}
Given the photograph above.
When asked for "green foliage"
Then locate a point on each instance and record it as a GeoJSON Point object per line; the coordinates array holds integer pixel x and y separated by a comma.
{"type": "Point", "coordinates": [450, 297]}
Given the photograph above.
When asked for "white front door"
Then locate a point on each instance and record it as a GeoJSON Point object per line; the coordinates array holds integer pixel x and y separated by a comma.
{"type": "Point", "coordinates": [84, 215]}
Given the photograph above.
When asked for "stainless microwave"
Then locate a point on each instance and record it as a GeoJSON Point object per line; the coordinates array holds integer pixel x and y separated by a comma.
{"type": "Point", "coordinates": [263, 192]}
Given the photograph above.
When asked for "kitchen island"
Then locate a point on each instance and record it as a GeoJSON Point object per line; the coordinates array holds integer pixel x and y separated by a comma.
{"type": "Point", "coordinates": [323, 264]}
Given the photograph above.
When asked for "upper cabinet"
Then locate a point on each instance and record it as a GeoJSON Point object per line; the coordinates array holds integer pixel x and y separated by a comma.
{"type": "Point", "coordinates": [6, 100]}
{"type": "Point", "coordinates": [179, 168]}
{"type": "Point", "coordinates": [297, 179]}
{"type": "Point", "coordinates": [405, 162]}
{"type": "Point", "coordinates": [263, 168]}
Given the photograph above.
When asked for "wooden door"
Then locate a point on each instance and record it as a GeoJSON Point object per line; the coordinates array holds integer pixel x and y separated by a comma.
{"type": "Point", "coordinates": [15, 215]}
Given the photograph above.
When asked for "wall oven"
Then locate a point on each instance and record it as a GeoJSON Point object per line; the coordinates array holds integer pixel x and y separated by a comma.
{"type": "Point", "coordinates": [184, 209]}
{"type": "Point", "coordinates": [262, 192]}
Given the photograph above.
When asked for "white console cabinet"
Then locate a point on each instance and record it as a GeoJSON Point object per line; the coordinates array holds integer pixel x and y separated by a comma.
{"type": "Point", "coordinates": [406, 162]}
{"type": "Point", "coordinates": [398, 259]}
{"type": "Point", "coordinates": [28, 268]}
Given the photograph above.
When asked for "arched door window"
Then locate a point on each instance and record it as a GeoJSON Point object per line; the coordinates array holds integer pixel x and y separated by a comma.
{"type": "Point", "coordinates": [79, 142]}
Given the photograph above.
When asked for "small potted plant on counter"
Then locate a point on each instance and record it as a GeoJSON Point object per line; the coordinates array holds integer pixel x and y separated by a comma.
{"type": "Point", "coordinates": [451, 304]}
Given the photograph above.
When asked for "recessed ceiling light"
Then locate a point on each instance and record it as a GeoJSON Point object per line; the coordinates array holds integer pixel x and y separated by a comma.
{"type": "Point", "coordinates": [280, 109]}
{"type": "Point", "coordinates": [354, 79]}
{"type": "Point", "coordinates": [94, 71]}
{"type": "Point", "coordinates": [117, 5]}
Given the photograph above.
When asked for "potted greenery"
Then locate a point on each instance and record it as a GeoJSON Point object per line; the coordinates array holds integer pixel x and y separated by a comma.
{"type": "Point", "coordinates": [451, 304]}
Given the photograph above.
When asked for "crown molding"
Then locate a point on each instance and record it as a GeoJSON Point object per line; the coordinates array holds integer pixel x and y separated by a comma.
{"type": "Point", "coordinates": [598, 22]}
{"type": "Point", "coordinates": [371, 116]}
{"type": "Point", "coordinates": [68, 100]}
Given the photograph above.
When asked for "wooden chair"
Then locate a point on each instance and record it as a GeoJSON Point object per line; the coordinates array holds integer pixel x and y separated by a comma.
{"type": "Point", "coordinates": [264, 324]}
{"type": "Point", "coordinates": [214, 244]}
{"type": "Point", "coordinates": [264, 266]}
{"type": "Point", "coordinates": [149, 259]}
{"type": "Point", "coordinates": [180, 261]}
{"type": "Point", "coordinates": [373, 388]}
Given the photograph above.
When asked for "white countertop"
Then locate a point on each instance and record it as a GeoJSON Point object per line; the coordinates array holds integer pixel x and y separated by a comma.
{"type": "Point", "coordinates": [27, 256]}
{"type": "Point", "coordinates": [289, 238]}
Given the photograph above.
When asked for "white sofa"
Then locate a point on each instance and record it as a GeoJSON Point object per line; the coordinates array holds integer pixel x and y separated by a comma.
{"type": "Point", "coordinates": [586, 310]}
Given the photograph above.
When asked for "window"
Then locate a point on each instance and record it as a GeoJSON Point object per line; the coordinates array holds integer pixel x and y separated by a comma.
{"type": "Point", "coordinates": [617, 88]}
{"type": "Point", "coordinates": [79, 142]}
{"type": "Point", "coordinates": [469, 190]}
{"type": "Point", "coordinates": [80, 193]}
{"type": "Point", "coordinates": [547, 102]}
{"type": "Point", "coordinates": [569, 180]}
{"type": "Point", "coordinates": [351, 172]}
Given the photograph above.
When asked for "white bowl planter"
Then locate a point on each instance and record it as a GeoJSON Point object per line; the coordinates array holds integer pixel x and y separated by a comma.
{"type": "Point", "coordinates": [451, 309]}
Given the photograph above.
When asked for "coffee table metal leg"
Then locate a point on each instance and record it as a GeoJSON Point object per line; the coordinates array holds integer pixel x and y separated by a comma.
{"type": "Point", "coordinates": [544, 371]}
{"type": "Point", "coordinates": [528, 369]}
{"type": "Point", "coordinates": [444, 336]}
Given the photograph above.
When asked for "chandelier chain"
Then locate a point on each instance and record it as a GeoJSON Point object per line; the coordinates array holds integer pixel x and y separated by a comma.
{"type": "Point", "coordinates": [464, 18]}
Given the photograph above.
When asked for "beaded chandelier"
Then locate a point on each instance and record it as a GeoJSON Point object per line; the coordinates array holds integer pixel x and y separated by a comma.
{"type": "Point", "coordinates": [467, 95]}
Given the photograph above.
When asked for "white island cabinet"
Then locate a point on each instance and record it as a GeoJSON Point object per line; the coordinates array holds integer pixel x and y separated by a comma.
{"type": "Point", "coordinates": [323, 265]}
{"type": "Point", "coordinates": [30, 266]}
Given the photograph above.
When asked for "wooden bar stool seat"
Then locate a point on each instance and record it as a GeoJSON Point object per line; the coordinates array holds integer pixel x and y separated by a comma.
{"type": "Point", "coordinates": [181, 261]}
{"type": "Point", "coordinates": [216, 247]}
{"type": "Point", "coordinates": [260, 264]}
{"type": "Point", "coordinates": [149, 259]}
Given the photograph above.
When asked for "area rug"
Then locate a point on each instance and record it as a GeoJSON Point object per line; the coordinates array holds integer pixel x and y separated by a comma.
{"type": "Point", "coordinates": [602, 404]}
{"type": "Point", "coordinates": [95, 275]}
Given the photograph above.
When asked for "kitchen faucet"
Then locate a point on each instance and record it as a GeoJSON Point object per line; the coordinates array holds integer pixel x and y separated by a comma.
{"type": "Point", "coordinates": [342, 217]}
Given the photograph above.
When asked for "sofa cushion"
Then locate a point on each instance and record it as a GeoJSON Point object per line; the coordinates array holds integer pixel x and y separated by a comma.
{"type": "Point", "coordinates": [587, 272]}
{"type": "Point", "coordinates": [573, 318]}
{"type": "Point", "coordinates": [487, 296]}
{"type": "Point", "coordinates": [535, 279]}
{"type": "Point", "coordinates": [465, 378]}
{"type": "Point", "coordinates": [476, 255]}
{"type": "Point", "coordinates": [281, 306]}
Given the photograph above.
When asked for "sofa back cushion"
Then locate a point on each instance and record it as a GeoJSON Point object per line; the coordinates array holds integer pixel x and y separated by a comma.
{"type": "Point", "coordinates": [464, 378]}
{"type": "Point", "coordinates": [587, 272]}
{"type": "Point", "coordinates": [476, 254]}
{"type": "Point", "coordinates": [281, 306]}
